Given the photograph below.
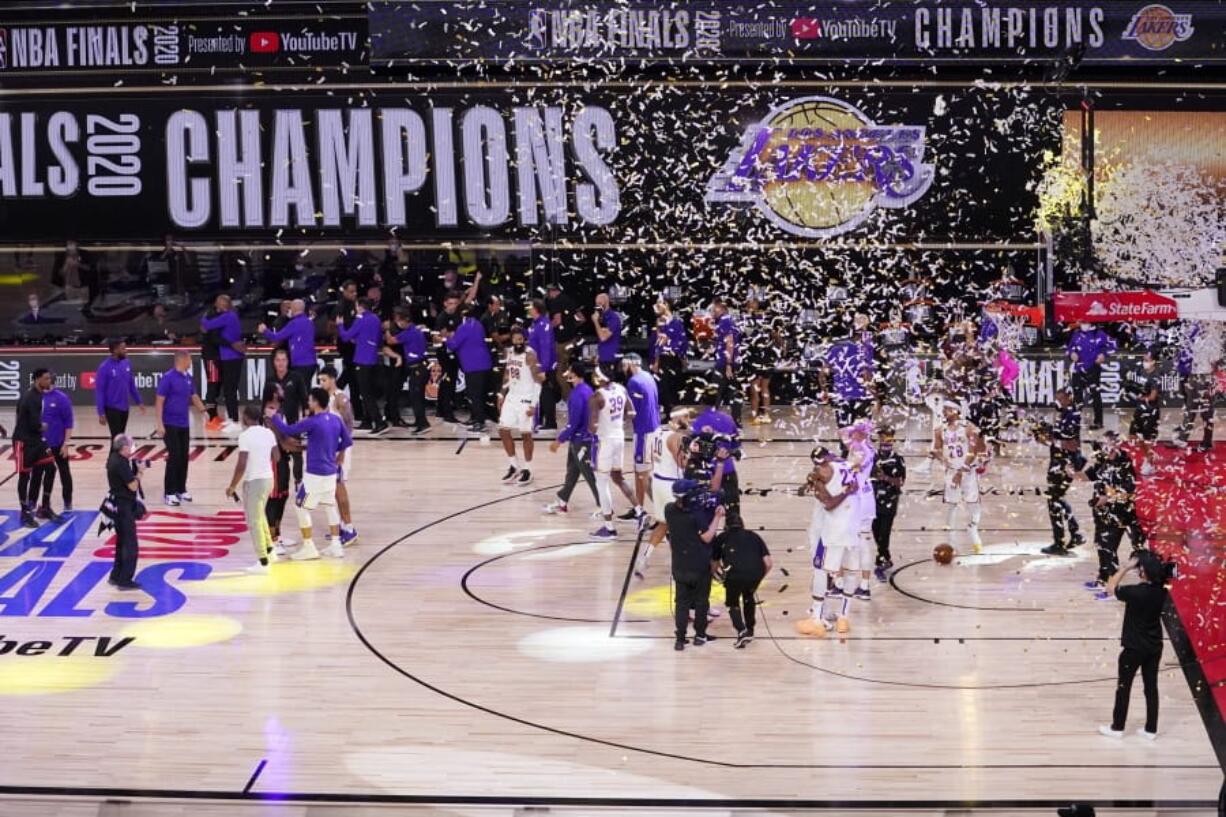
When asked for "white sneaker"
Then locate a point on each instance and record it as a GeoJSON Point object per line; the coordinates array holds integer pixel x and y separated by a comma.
{"type": "Point", "coordinates": [1107, 731]}
{"type": "Point", "coordinates": [1147, 735]}
{"type": "Point", "coordinates": [280, 547]}
{"type": "Point", "coordinates": [596, 514]}
{"type": "Point", "coordinates": [335, 550]}
{"type": "Point", "coordinates": [273, 558]}
{"type": "Point", "coordinates": [1147, 469]}
{"type": "Point", "coordinates": [185, 497]}
{"type": "Point", "coordinates": [171, 500]}
{"type": "Point", "coordinates": [306, 552]}
{"type": "Point", "coordinates": [556, 507]}
{"type": "Point", "coordinates": [257, 569]}
{"type": "Point", "coordinates": [230, 427]}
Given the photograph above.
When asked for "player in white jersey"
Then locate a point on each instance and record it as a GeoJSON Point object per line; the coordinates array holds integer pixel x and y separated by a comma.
{"type": "Point", "coordinates": [836, 550]}
{"type": "Point", "coordinates": [960, 449]}
{"type": "Point", "coordinates": [338, 404]}
{"type": "Point", "coordinates": [610, 407]}
{"type": "Point", "coordinates": [861, 457]}
{"type": "Point", "coordinates": [668, 455]}
{"type": "Point", "coordinates": [517, 404]}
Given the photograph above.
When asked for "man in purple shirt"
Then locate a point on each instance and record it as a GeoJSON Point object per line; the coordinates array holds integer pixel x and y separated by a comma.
{"type": "Point", "coordinates": [577, 437]}
{"type": "Point", "coordinates": [849, 368]}
{"type": "Point", "coordinates": [406, 344]}
{"type": "Point", "coordinates": [608, 325]}
{"type": "Point", "coordinates": [468, 344]}
{"type": "Point", "coordinates": [57, 431]}
{"type": "Point", "coordinates": [299, 331]}
{"type": "Point", "coordinates": [230, 345]}
{"type": "Point", "coordinates": [114, 387]}
{"type": "Point", "coordinates": [666, 350]}
{"type": "Point", "coordinates": [1088, 349]}
{"type": "Point", "coordinates": [541, 341]}
{"type": "Point", "coordinates": [327, 440]}
{"type": "Point", "coordinates": [727, 359]}
{"type": "Point", "coordinates": [641, 387]}
{"type": "Point", "coordinates": [365, 333]}
{"type": "Point", "coordinates": [176, 396]}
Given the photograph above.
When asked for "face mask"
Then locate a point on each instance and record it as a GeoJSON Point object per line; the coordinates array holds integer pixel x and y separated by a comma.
{"type": "Point", "coordinates": [518, 347]}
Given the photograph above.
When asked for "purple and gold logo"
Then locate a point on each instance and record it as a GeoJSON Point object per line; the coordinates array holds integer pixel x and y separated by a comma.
{"type": "Point", "coordinates": [818, 167]}
{"type": "Point", "coordinates": [1156, 27]}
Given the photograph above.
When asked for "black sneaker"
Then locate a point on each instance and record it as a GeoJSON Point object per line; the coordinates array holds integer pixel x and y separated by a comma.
{"type": "Point", "coordinates": [127, 585]}
{"type": "Point", "coordinates": [45, 512]}
{"type": "Point", "coordinates": [381, 428]}
{"type": "Point", "coordinates": [398, 424]}
{"type": "Point", "coordinates": [627, 516]}
{"type": "Point", "coordinates": [679, 644]}
{"type": "Point", "coordinates": [421, 429]}
{"type": "Point", "coordinates": [524, 478]}
{"type": "Point", "coordinates": [365, 427]}
{"type": "Point", "coordinates": [449, 418]}
{"type": "Point", "coordinates": [742, 638]}
{"type": "Point", "coordinates": [1205, 447]}
{"type": "Point", "coordinates": [1055, 550]}
{"type": "Point", "coordinates": [510, 475]}
{"type": "Point", "coordinates": [1078, 540]}
{"type": "Point", "coordinates": [28, 520]}
{"type": "Point", "coordinates": [477, 428]}
{"type": "Point", "coordinates": [699, 640]}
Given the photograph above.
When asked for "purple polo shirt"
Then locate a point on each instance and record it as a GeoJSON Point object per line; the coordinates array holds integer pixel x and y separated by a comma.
{"type": "Point", "coordinates": [646, 401]}
{"type": "Point", "coordinates": [576, 415]}
{"type": "Point", "coordinates": [230, 331]}
{"type": "Point", "coordinates": [365, 332]}
{"type": "Point", "coordinates": [326, 436]}
{"type": "Point", "coordinates": [677, 343]}
{"type": "Point", "coordinates": [726, 328]}
{"type": "Point", "coordinates": [413, 342]}
{"type": "Point", "coordinates": [540, 340]}
{"type": "Point", "coordinates": [606, 350]}
{"type": "Point", "coordinates": [114, 386]}
{"type": "Point", "coordinates": [300, 332]}
{"type": "Point", "coordinates": [1088, 346]}
{"type": "Point", "coordinates": [468, 343]}
{"type": "Point", "coordinates": [848, 362]}
{"type": "Point", "coordinates": [177, 389]}
{"type": "Point", "coordinates": [57, 416]}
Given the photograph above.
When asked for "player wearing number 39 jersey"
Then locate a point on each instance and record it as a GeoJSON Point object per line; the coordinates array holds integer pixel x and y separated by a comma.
{"type": "Point", "coordinates": [960, 449]}
{"type": "Point", "coordinates": [609, 409]}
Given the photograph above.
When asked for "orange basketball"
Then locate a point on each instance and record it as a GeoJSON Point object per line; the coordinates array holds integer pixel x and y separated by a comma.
{"type": "Point", "coordinates": [942, 554]}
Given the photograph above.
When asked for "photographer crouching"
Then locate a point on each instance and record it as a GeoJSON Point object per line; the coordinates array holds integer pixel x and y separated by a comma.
{"type": "Point", "coordinates": [124, 507]}
{"type": "Point", "coordinates": [694, 519]}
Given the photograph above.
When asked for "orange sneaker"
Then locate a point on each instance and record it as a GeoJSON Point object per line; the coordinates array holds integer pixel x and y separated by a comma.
{"type": "Point", "coordinates": [811, 628]}
{"type": "Point", "coordinates": [842, 626]}
{"type": "Point", "coordinates": [214, 424]}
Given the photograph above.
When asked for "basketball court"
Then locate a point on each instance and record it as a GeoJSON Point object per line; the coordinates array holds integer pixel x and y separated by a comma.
{"type": "Point", "coordinates": [470, 650]}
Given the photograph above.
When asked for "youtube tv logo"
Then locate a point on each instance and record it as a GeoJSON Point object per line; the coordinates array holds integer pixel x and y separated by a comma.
{"type": "Point", "coordinates": [265, 42]}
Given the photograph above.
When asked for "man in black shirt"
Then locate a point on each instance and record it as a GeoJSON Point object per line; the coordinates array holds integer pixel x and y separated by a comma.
{"type": "Point", "coordinates": [123, 480]}
{"type": "Point", "coordinates": [1144, 425]}
{"type": "Point", "coordinates": [1141, 639]}
{"type": "Point", "coordinates": [566, 328]}
{"type": "Point", "coordinates": [346, 311]}
{"type": "Point", "coordinates": [286, 393]}
{"type": "Point", "coordinates": [210, 353]}
{"type": "Point", "coordinates": [35, 461]}
{"type": "Point", "coordinates": [889, 474]}
{"type": "Point", "coordinates": [691, 530]}
{"type": "Point", "coordinates": [746, 561]}
{"type": "Point", "coordinates": [1064, 448]}
{"type": "Point", "coordinates": [1114, 507]}
{"type": "Point", "coordinates": [447, 322]}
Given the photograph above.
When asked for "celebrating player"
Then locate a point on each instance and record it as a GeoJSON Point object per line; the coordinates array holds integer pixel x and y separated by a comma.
{"type": "Point", "coordinates": [961, 450]}
{"type": "Point", "coordinates": [517, 404]}
{"type": "Point", "coordinates": [609, 407]}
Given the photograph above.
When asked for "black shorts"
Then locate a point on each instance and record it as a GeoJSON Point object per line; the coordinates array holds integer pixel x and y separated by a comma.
{"type": "Point", "coordinates": [846, 412]}
{"type": "Point", "coordinates": [29, 456]}
{"type": "Point", "coordinates": [1144, 425]}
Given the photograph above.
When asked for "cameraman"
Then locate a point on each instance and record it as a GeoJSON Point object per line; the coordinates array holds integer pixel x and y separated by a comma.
{"type": "Point", "coordinates": [1141, 638]}
{"type": "Point", "coordinates": [1113, 506]}
{"type": "Point", "coordinates": [123, 479]}
{"type": "Point", "coordinates": [693, 520]}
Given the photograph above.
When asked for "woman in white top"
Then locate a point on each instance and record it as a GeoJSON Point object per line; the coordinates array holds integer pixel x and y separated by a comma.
{"type": "Point", "coordinates": [257, 455]}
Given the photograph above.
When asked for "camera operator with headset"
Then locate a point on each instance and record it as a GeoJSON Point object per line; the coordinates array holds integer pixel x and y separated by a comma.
{"type": "Point", "coordinates": [1141, 637]}
{"type": "Point", "coordinates": [124, 507]}
{"type": "Point", "coordinates": [694, 518]}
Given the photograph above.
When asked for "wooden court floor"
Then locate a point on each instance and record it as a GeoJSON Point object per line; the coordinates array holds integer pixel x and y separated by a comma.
{"type": "Point", "coordinates": [463, 649]}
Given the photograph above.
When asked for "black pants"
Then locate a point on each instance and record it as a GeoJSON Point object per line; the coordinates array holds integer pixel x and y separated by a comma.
{"type": "Point", "coordinates": [307, 373]}
{"type": "Point", "coordinates": [1130, 661]}
{"type": "Point", "coordinates": [730, 393]}
{"type": "Point", "coordinates": [61, 465]}
{"type": "Point", "coordinates": [578, 463]}
{"type": "Point", "coordinates": [549, 400]}
{"type": "Point", "coordinates": [274, 509]}
{"type": "Point", "coordinates": [738, 595]}
{"type": "Point", "coordinates": [369, 404]}
{"type": "Point", "coordinates": [417, 394]}
{"type": "Point", "coordinates": [393, 391]}
{"type": "Point", "coordinates": [177, 440]}
{"type": "Point", "coordinates": [847, 412]}
{"type": "Point", "coordinates": [1110, 523]}
{"type": "Point", "coordinates": [671, 375]}
{"type": "Point", "coordinates": [446, 386]}
{"type": "Point", "coordinates": [1089, 381]}
{"type": "Point", "coordinates": [348, 379]}
{"type": "Point", "coordinates": [1064, 527]}
{"type": "Point", "coordinates": [1197, 402]}
{"type": "Point", "coordinates": [30, 483]}
{"type": "Point", "coordinates": [116, 421]}
{"type": "Point", "coordinates": [126, 546]}
{"type": "Point", "coordinates": [883, 527]}
{"type": "Point", "coordinates": [212, 389]}
{"type": "Point", "coordinates": [693, 593]}
{"type": "Point", "coordinates": [231, 373]}
{"type": "Point", "coordinates": [730, 495]}
{"type": "Point", "coordinates": [476, 385]}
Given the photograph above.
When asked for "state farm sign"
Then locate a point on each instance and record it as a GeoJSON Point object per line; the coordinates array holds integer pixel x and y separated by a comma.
{"type": "Point", "coordinates": [1104, 307]}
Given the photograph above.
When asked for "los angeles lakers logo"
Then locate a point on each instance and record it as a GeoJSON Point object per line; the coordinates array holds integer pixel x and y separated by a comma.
{"type": "Point", "coordinates": [818, 167]}
{"type": "Point", "coordinates": [1156, 27]}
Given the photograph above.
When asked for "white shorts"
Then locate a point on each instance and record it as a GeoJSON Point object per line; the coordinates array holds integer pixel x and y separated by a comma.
{"type": "Point", "coordinates": [968, 491]}
{"type": "Point", "coordinates": [347, 465]}
{"type": "Point", "coordinates": [518, 413]}
{"type": "Point", "coordinates": [839, 547]}
{"type": "Point", "coordinates": [868, 551]}
{"type": "Point", "coordinates": [661, 495]}
{"type": "Point", "coordinates": [320, 490]}
{"type": "Point", "coordinates": [608, 454]}
{"type": "Point", "coordinates": [644, 452]}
